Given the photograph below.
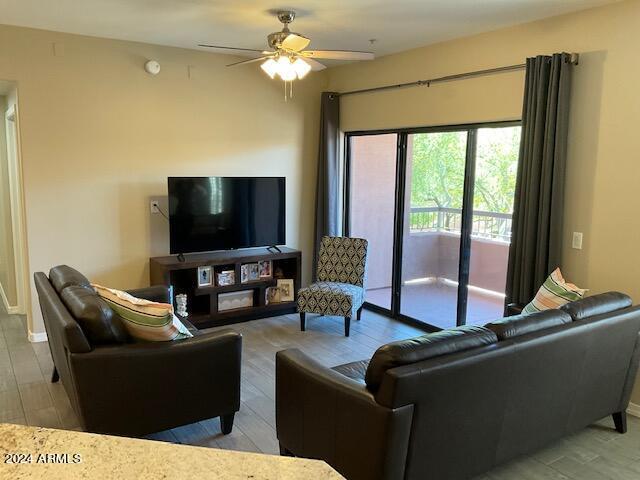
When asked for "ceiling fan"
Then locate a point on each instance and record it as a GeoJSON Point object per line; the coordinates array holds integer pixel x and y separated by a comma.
{"type": "Point", "coordinates": [288, 58]}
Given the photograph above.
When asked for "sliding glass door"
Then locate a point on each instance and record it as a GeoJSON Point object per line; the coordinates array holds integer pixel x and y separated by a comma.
{"type": "Point", "coordinates": [434, 186]}
{"type": "Point", "coordinates": [435, 205]}
{"type": "Point", "coordinates": [496, 165]}
{"type": "Point", "coordinates": [371, 208]}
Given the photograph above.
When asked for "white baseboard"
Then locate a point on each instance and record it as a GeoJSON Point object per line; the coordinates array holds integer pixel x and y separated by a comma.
{"type": "Point", "coordinates": [634, 409]}
{"type": "Point", "coordinates": [37, 337]}
{"type": "Point", "coordinates": [10, 310]}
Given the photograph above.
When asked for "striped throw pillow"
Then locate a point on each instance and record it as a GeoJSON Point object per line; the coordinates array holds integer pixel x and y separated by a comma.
{"type": "Point", "coordinates": [143, 319]}
{"type": "Point", "coordinates": [554, 293]}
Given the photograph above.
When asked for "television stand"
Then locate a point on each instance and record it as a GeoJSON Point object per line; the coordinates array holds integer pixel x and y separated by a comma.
{"type": "Point", "coordinates": [202, 301]}
{"type": "Point", "coordinates": [274, 247]}
{"type": "Point", "coordinates": [180, 257]}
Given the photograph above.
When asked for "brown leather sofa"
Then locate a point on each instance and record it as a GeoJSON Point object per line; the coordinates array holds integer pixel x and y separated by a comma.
{"type": "Point", "coordinates": [120, 387]}
{"type": "Point", "coordinates": [454, 404]}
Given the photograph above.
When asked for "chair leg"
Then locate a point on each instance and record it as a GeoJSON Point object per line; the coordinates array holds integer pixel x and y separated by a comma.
{"type": "Point", "coordinates": [226, 423]}
{"type": "Point", "coordinates": [347, 324]}
{"type": "Point", "coordinates": [284, 452]}
{"type": "Point", "coordinates": [54, 376]}
{"type": "Point", "coordinates": [620, 421]}
{"type": "Point", "coordinates": [359, 313]}
{"type": "Point", "coordinates": [302, 319]}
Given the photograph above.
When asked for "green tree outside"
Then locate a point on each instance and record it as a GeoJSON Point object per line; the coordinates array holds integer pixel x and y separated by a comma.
{"type": "Point", "coordinates": [438, 165]}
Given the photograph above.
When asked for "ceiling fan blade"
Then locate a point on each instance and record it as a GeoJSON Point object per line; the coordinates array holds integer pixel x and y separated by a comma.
{"type": "Point", "coordinates": [339, 54]}
{"type": "Point", "coordinates": [230, 48]}
{"type": "Point", "coordinates": [314, 64]}
{"type": "Point", "coordinates": [251, 60]}
{"type": "Point", "coordinates": [295, 42]}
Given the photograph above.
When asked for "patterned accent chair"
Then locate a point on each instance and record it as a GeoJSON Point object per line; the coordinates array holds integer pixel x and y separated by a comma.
{"type": "Point", "coordinates": [341, 276]}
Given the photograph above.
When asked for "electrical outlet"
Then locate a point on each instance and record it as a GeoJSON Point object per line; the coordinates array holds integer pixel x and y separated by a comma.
{"type": "Point", "coordinates": [577, 241]}
{"type": "Point", "coordinates": [154, 206]}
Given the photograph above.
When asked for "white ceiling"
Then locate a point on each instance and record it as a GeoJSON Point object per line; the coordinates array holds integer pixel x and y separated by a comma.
{"type": "Point", "coordinates": [331, 24]}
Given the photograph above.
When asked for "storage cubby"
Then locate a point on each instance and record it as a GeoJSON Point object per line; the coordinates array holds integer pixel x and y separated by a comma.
{"type": "Point", "coordinates": [202, 302]}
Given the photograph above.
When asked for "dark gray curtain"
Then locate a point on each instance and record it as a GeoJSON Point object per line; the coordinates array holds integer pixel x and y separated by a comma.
{"type": "Point", "coordinates": [537, 214]}
{"type": "Point", "coordinates": [327, 187]}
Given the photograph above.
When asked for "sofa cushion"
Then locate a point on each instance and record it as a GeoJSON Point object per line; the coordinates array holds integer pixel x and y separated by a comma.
{"type": "Point", "coordinates": [63, 275]}
{"type": "Point", "coordinates": [416, 349]}
{"type": "Point", "coordinates": [144, 319]}
{"type": "Point", "coordinates": [354, 370]}
{"type": "Point", "coordinates": [98, 321]}
{"type": "Point", "coordinates": [517, 325]}
{"type": "Point", "coordinates": [597, 305]}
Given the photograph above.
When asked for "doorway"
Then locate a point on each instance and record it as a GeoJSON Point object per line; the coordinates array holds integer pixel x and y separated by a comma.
{"type": "Point", "coordinates": [12, 252]}
{"type": "Point", "coordinates": [435, 205]}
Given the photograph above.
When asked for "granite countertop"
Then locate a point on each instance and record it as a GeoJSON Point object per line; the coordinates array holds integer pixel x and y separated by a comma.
{"type": "Point", "coordinates": [90, 456]}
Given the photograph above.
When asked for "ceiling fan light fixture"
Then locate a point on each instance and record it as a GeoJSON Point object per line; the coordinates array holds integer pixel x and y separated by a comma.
{"type": "Point", "coordinates": [288, 57]}
{"type": "Point", "coordinates": [286, 70]}
{"type": "Point", "coordinates": [301, 67]}
{"type": "Point", "coordinates": [270, 67]}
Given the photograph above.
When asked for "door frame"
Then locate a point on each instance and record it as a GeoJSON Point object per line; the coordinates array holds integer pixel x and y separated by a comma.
{"type": "Point", "coordinates": [398, 221]}
{"type": "Point", "coordinates": [14, 160]}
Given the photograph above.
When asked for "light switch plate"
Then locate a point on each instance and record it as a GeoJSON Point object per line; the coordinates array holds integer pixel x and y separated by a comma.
{"type": "Point", "coordinates": [577, 241]}
{"type": "Point", "coordinates": [154, 206]}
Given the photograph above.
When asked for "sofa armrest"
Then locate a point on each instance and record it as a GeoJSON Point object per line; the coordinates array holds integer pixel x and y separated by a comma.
{"type": "Point", "coordinates": [513, 309]}
{"type": "Point", "coordinates": [155, 293]}
{"type": "Point", "coordinates": [323, 414]}
{"type": "Point", "coordinates": [136, 389]}
{"type": "Point", "coordinates": [631, 376]}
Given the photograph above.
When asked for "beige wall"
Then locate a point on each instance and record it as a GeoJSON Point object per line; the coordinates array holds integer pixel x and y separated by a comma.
{"type": "Point", "coordinates": [100, 136]}
{"type": "Point", "coordinates": [603, 174]}
{"type": "Point", "coordinates": [7, 264]}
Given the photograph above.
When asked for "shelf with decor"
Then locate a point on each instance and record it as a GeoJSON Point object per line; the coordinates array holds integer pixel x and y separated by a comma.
{"type": "Point", "coordinates": [212, 304]}
{"type": "Point", "coordinates": [235, 287]}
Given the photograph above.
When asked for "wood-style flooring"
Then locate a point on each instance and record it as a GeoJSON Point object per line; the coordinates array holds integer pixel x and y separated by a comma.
{"type": "Point", "coordinates": [28, 397]}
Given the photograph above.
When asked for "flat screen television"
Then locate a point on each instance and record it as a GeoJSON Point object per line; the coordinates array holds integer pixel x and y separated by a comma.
{"type": "Point", "coordinates": [223, 213]}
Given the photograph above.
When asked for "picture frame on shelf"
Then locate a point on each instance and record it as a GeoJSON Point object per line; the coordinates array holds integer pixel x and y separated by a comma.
{"type": "Point", "coordinates": [285, 286]}
{"type": "Point", "coordinates": [235, 300]}
{"type": "Point", "coordinates": [265, 268]}
{"type": "Point", "coordinates": [226, 277]}
{"type": "Point", "coordinates": [205, 277]}
{"type": "Point", "coordinates": [254, 272]}
{"type": "Point", "coordinates": [244, 273]}
{"type": "Point", "coordinates": [272, 295]}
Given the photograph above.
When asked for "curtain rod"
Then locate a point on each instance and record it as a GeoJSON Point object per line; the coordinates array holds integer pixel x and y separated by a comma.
{"type": "Point", "coordinates": [448, 78]}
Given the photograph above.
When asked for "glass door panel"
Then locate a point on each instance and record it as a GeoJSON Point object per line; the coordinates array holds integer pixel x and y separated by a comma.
{"type": "Point", "coordinates": [434, 186]}
{"type": "Point", "coordinates": [494, 189]}
{"type": "Point", "coordinates": [372, 193]}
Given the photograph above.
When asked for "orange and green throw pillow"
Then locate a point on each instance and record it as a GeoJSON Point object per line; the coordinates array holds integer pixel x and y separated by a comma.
{"type": "Point", "coordinates": [554, 293]}
{"type": "Point", "coordinates": [143, 319]}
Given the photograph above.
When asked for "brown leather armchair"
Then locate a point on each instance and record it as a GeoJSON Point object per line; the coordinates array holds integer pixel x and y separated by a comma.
{"type": "Point", "coordinates": [134, 389]}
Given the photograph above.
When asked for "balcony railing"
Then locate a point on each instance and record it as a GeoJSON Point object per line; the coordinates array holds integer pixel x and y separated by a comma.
{"type": "Point", "coordinates": [491, 225]}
